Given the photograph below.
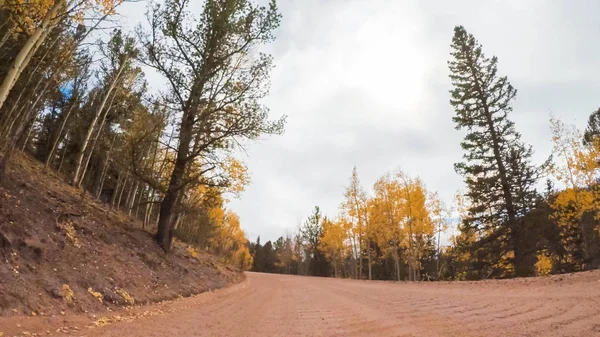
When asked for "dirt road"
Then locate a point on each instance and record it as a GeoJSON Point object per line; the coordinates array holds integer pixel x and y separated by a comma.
{"type": "Point", "coordinates": [278, 305]}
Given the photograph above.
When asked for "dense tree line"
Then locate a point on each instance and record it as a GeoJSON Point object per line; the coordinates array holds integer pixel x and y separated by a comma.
{"type": "Point", "coordinates": [506, 226]}
{"type": "Point", "coordinates": [83, 108]}
{"type": "Point", "coordinates": [389, 235]}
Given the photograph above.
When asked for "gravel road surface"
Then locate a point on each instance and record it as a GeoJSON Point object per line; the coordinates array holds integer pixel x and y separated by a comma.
{"type": "Point", "coordinates": [279, 305]}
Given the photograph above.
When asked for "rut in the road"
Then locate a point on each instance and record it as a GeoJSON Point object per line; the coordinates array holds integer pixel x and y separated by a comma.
{"type": "Point", "coordinates": [279, 305]}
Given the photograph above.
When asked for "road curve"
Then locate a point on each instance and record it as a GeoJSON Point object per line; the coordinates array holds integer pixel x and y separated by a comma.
{"type": "Point", "coordinates": [279, 305]}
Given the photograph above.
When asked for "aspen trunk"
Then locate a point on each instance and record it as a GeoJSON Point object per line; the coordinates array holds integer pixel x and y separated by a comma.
{"type": "Point", "coordinates": [335, 267]}
{"type": "Point", "coordinates": [369, 262]}
{"type": "Point", "coordinates": [132, 200]}
{"type": "Point", "coordinates": [128, 194]}
{"type": "Point", "coordinates": [58, 136]}
{"type": "Point", "coordinates": [115, 194]}
{"type": "Point", "coordinates": [140, 198]}
{"type": "Point", "coordinates": [95, 141]}
{"type": "Point", "coordinates": [27, 51]}
{"type": "Point", "coordinates": [12, 143]}
{"type": "Point", "coordinates": [105, 169]}
{"type": "Point", "coordinates": [26, 140]}
{"type": "Point", "coordinates": [121, 193]}
{"type": "Point", "coordinates": [397, 262]}
{"type": "Point", "coordinates": [149, 206]}
{"type": "Point", "coordinates": [11, 120]}
{"type": "Point", "coordinates": [88, 135]}
{"type": "Point", "coordinates": [8, 34]}
{"type": "Point", "coordinates": [355, 256]}
{"type": "Point", "coordinates": [360, 259]}
{"type": "Point", "coordinates": [7, 119]}
{"type": "Point", "coordinates": [437, 260]}
{"type": "Point", "coordinates": [62, 158]}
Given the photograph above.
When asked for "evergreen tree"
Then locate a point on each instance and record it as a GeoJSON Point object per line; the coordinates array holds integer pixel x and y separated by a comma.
{"type": "Point", "coordinates": [593, 128]}
{"type": "Point", "coordinates": [258, 264]}
{"type": "Point", "coordinates": [311, 233]}
{"type": "Point", "coordinates": [269, 258]}
{"type": "Point", "coordinates": [497, 164]}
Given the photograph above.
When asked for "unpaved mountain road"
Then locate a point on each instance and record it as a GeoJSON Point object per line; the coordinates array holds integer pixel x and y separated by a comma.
{"type": "Point", "coordinates": [279, 305]}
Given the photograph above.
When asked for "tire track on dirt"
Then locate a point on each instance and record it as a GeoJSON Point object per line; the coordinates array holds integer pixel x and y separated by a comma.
{"type": "Point", "coordinates": [280, 305]}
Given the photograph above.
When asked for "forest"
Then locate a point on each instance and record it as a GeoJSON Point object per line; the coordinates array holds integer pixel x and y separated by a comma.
{"type": "Point", "coordinates": [74, 95]}
{"type": "Point", "coordinates": [513, 218]}
{"type": "Point", "coordinates": [81, 105]}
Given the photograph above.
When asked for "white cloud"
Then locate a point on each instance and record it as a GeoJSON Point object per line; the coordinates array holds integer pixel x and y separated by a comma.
{"type": "Point", "coordinates": [365, 82]}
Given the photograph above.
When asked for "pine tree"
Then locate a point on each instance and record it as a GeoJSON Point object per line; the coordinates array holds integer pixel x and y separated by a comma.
{"type": "Point", "coordinates": [311, 236]}
{"type": "Point", "coordinates": [216, 80]}
{"type": "Point", "coordinates": [497, 166]}
{"type": "Point", "coordinates": [592, 132]}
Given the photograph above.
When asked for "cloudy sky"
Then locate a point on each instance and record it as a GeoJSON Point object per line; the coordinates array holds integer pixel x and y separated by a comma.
{"type": "Point", "coordinates": [365, 83]}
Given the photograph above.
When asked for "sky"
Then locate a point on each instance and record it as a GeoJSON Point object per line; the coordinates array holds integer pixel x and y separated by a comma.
{"type": "Point", "coordinates": [365, 83]}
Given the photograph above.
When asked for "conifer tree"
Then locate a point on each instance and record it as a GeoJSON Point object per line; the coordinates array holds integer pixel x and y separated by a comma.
{"type": "Point", "coordinates": [497, 164]}
{"type": "Point", "coordinates": [592, 131]}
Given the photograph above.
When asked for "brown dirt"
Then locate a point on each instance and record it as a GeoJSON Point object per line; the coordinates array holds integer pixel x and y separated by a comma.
{"type": "Point", "coordinates": [60, 244]}
{"type": "Point", "coordinates": [280, 305]}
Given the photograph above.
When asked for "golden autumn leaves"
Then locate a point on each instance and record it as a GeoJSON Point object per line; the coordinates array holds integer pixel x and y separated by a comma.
{"type": "Point", "coordinates": [227, 240]}
{"type": "Point", "coordinates": [27, 14]}
{"type": "Point", "coordinates": [575, 166]}
{"type": "Point", "coordinates": [400, 215]}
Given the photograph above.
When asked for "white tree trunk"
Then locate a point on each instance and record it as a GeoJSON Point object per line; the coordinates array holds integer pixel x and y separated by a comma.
{"type": "Point", "coordinates": [27, 51]}
{"type": "Point", "coordinates": [58, 136]}
{"type": "Point", "coordinates": [8, 34]}
{"type": "Point", "coordinates": [122, 189]}
{"type": "Point", "coordinates": [86, 140]}
{"type": "Point", "coordinates": [94, 142]}
{"type": "Point", "coordinates": [132, 200]}
{"type": "Point", "coordinates": [105, 168]}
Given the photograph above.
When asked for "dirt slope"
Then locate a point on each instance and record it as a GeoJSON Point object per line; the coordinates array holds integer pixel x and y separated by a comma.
{"type": "Point", "coordinates": [71, 256]}
{"type": "Point", "coordinates": [279, 305]}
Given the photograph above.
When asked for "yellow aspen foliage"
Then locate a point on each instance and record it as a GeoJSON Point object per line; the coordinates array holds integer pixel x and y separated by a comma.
{"type": "Point", "coordinates": [353, 210]}
{"type": "Point", "coordinates": [237, 173]}
{"type": "Point", "coordinates": [28, 14]}
{"type": "Point", "coordinates": [576, 167]}
{"type": "Point", "coordinates": [575, 164]}
{"type": "Point", "coordinates": [543, 266]}
{"type": "Point", "coordinates": [464, 238]}
{"type": "Point", "coordinates": [387, 212]}
{"type": "Point", "coordinates": [191, 252]}
{"type": "Point", "coordinates": [418, 220]}
{"type": "Point", "coordinates": [243, 258]}
{"type": "Point", "coordinates": [401, 217]}
{"type": "Point", "coordinates": [333, 241]}
{"type": "Point", "coordinates": [67, 294]}
{"type": "Point", "coordinates": [229, 240]}
{"type": "Point", "coordinates": [96, 294]}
